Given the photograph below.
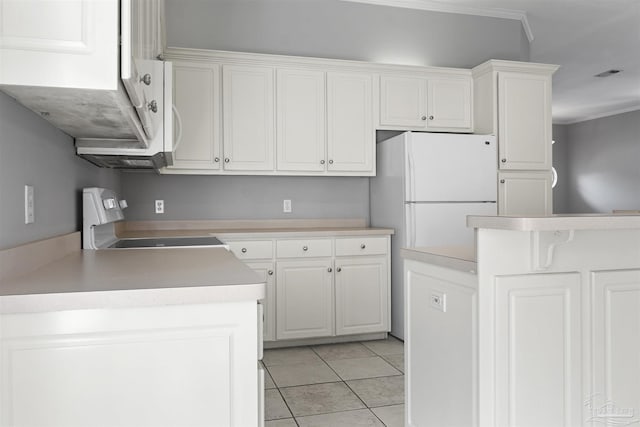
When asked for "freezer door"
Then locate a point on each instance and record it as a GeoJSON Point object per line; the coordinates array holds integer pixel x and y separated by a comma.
{"type": "Point", "coordinates": [443, 224]}
{"type": "Point", "coordinates": [451, 167]}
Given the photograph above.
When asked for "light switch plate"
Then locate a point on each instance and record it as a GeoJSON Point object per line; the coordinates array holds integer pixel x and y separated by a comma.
{"type": "Point", "coordinates": [29, 208]}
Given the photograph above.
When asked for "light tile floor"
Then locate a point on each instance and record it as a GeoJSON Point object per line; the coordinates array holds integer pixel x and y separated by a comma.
{"type": "Point", "coordinates": [334, 385]}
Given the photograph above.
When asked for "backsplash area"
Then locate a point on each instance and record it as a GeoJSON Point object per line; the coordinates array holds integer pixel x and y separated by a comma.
{"type": "Point", "coordinates": [190, 197]}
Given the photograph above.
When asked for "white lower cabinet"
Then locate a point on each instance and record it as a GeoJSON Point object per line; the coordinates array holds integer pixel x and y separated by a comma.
{"type": "Point", "coordinates": [538, 327]}
{"type": "Point", "coordinates": [176, 365]}
{"type": "Point", "coordinates": [321, 286]}
{"type": "Point", "coordinates": [304, 299]}
{"type": "Point", "coordinates": [362, 295]}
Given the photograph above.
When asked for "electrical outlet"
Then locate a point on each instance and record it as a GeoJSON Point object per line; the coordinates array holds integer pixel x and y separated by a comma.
{"type": "Point", "coordinates": [29, 208]}
{"type": "Point", "coordinates": [286, 206]}
{"type": "Point", "coordinates": [439, 301]}
{"type": "Point", "coordinates": [159, 206]}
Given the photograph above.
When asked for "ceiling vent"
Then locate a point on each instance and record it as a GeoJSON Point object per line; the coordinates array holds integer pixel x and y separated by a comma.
{"type": "Point", "coordinates": [607, 73]}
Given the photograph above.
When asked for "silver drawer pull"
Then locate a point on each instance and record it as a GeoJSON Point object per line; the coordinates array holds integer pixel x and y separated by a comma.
{"type": "Point", "coordinates": [270, 272]}
{"type": "Point", "coordinates": [244, 250]}
{"type": "Point", "coordinates": [362, 246]}
{"type": "Point", "coordinates": [304, 248]}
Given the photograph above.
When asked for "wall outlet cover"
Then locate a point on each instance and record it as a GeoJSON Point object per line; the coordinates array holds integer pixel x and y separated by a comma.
{"type": "Point", "coordinates": [438, 301]}
{"type": "Point", "coordinates": [159, 206]}
{"type": "Point", "coordinates": [286, 206]}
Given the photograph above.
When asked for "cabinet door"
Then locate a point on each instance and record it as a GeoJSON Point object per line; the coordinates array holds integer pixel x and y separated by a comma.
{"type": "Point", "coordinates": [449, 104]}
{"type": "Point", "coordinates": [524, 121]}
{"type": "Point", "coordinates": [304, 295]}
{"type": "Point", "coordinates": [351, 137]}
{"type": "Point", "coordinates": [59, 43]}
{"type": "Point", "coordinates": [300, 108]}
{"type": "Point", "coordinates": [362, 295]}
{"type": "Point", "coordinates": [525, 193]}
{"type": "Point", "coordinates": [403, 101]}
{"type": "Point", "coordinates": [266, 273]}
{"type": "Point", "coordinates": [538, 345]}
{"type": "Point", "coordinates": [196, 94]}
{"type": "Point", "coordinates": [616, 341]}
{"type": "Point", "coordinates": [248, 111]}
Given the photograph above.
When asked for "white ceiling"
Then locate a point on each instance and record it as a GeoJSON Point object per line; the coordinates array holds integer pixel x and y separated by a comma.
{"type": "Point", "coordinates": [584, 37]}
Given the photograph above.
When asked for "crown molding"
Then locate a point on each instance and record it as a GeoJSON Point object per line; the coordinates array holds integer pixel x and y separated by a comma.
{"type": "Point", "coordinates": [599, 115]}
{"type": "Point", "coordinates": [439, 6]}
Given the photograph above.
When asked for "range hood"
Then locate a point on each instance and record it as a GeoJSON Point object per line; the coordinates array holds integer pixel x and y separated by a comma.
{"type": "Point", "coordinates": [130, 153]}
{"type": "Point", "coordinates": [90, 69]}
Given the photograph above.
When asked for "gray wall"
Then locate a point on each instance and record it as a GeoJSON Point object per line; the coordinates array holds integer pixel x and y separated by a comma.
{"type": "Point", "coordinates": [561, 163]}
{"type": "Point", "coordinates": [344, 30]}
{"type": "Point", "coordinates": [243, 197]}
{"type": "Point", "coordinates": [33, 152]}
{"type": "Point", "coordinates": [603, 157]}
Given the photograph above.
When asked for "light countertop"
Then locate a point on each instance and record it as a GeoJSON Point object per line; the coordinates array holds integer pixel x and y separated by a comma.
{"type": "Point", "coordinates": [461, 258]}
{"type": "Point", "coordinates": [132, 278]}
{"type": "Point", "coordinates": [557, 222]}
{"type": "Point", "coordinates": [256, 233]}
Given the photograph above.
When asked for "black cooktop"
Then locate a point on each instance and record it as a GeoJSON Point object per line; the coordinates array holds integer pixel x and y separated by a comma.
{"type": "Point", "coordinates": [167, 242]}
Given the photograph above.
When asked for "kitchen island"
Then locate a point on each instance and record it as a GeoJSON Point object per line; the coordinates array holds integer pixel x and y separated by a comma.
{"type": "Point", "coordinates": [538, 325]}
{"type": "Point", "coordinates": [144, 337]}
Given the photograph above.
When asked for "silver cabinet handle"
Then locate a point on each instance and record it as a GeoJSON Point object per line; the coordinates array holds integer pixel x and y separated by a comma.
{"type": "Point", "coordinates": [226, 160]}
{"type": "Point", "coordinates": [217, 159]}
{"type": "Point", "coordinates": [504, 160]}
{"type": "Point", "coordinates": [322, 162]}
{"type": "Point", "coordinates": [423, 118]}
{"type": "Point", "coordinates": [430, 117]}
{"type": "Point", "coordinates": [244, 250]}
{"type": "Point", "coordinates": [502, 181]}
{"type": "Point", "coordinates": [146, 79]}
{"type": "Point", "coordinates": [339, 269]}
{"type": "Point", "coordinates": [329, 269]}
{"type": "Point", "coordinates": [270, 272]}
{"type": "Point", "coordinates": [330, 162]}
{"type": "Point", "coordinates": [362, 246]}
{"type": "Point", "coordinates": [153, 106]}
{"type": "Point", "coordinates": [304, 248]}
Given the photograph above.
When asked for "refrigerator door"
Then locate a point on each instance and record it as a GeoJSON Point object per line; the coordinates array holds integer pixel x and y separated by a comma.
{"type": "Point", "coordinates": [443, 224]}
{"type": "Point", "coordinates": [450, 167]}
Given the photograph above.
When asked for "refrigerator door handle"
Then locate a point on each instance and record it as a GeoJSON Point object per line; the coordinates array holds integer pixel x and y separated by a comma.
{"type": "Point", "coordinates": [411, 225]}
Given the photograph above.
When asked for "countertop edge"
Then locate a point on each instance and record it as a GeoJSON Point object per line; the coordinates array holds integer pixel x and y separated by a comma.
{"type": "Point", "coordinates": [436, 257]}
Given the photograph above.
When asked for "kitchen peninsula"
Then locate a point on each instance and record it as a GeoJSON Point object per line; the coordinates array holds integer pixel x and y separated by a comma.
{"type": "Point", "coordinates": [155, 337]}
{"type": "Point", "coordinates": [539, 324]}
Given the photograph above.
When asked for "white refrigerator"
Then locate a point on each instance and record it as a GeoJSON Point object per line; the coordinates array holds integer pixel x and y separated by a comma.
{"type": "Point", "coordinates": [425, 186]}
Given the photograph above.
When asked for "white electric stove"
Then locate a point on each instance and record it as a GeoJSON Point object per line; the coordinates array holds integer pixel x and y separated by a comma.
{"type": "Point", "coordinates": [101, 209]}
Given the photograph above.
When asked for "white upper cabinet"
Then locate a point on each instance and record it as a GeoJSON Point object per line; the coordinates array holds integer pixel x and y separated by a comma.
{"type": "Point", "coordinates": [426, 103]}
{"type": "Point", "coordinates": [525, 193]}
{"type": "Point", "coordinates": [59, 44]}
{"type": "Point", "coordinates": [196, 94]}
{"type": "Point", "coordinates": [301, 120]}
{"type": "Point", "coordinates": [449, 104]}
{"type": "Point", "coordinates": [524, 121]}
{"type": "Point", "coordinates": [249, 122]}
{"type": "Point", "coordinates": [350, 130]}
{"type": "Point", "coordinates": [403, 101]}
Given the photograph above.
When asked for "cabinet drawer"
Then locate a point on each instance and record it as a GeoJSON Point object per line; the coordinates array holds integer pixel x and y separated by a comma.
{"type": "Point", "coordinates": [254, 249]}
{"type": "Point", "coordinates": [361, 246]}
{"type": "Point", "coordinates": [303, 248]}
